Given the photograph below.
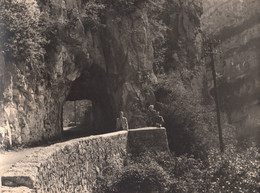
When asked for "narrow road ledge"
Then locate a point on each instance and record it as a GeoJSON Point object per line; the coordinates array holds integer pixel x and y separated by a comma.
{"type": "Point", "coordinates": [74, 165]}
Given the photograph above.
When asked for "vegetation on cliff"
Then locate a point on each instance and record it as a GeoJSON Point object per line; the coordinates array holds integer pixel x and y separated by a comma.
{"type": "Point", "coordinates": [233, 171]}
{"type": "Point", "coordinates": [191, 125]}
{"type": "Point", "coordinates": [196, 166]}
{"type": "Point", "coordinates": [22, 31]}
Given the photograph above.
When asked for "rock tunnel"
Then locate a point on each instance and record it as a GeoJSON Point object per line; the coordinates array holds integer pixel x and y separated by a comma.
{"type": "Point", "coordinates": [95, 85]}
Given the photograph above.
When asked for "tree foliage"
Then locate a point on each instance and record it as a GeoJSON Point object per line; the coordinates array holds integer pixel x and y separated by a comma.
{"type": "Point", "coordinates": [145, 173]}
{"type": "Point", "coordinates": [190, 126]}
{"type": "Point", "coordinates": [22, 31]}
{"type": "Point", "coordinates": [92, 14]}
{"type": "Point", "coordinates": [233, 171]}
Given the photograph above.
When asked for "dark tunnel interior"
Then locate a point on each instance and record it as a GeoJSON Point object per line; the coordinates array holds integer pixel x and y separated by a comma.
{"type": "Point", "coordinates": [99, 106]}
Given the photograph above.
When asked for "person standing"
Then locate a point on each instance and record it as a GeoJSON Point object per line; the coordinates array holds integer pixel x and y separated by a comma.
{"type": "Point", "coordinates": [121, 122]}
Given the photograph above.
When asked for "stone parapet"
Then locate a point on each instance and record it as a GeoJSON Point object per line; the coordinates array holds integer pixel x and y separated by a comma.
{"type": "Point", "coordinates": [152, 139]}
{"type": "Point", "coordinates": [74, 166]}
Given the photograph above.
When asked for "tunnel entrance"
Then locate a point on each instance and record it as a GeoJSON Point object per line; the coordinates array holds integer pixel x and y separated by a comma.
{"type": "Point", "coordinates": [77, 113]}
{"type": "Point", "coordinates": [77, 118]}
{"type": "Point", "coordinates": [99, 91]}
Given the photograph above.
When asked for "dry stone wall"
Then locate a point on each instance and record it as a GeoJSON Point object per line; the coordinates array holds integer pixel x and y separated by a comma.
{"type": "Point", "coordinates": [74, 166]}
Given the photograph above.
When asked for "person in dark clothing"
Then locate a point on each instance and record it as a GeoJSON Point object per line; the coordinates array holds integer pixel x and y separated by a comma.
{"type": "Point", "coordinates": [154, 117]}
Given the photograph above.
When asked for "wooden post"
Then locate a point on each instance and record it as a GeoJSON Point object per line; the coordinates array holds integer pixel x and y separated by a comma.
{"type": "Point", "coordinates": [221, 144]}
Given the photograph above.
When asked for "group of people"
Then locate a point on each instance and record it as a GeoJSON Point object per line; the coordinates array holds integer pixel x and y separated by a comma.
{"type": "Point", "coordinates": [154, 119]}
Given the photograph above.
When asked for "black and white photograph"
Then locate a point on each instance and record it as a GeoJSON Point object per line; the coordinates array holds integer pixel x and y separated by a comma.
{"type": "Point", "coordinates": [129, 96]}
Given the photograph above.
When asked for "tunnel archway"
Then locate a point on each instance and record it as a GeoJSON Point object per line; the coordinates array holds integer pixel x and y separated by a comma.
{"type": "Point", "coordinates": [77, 119]}
{"type": "Point", "coordinates": [77, 112]}
{"type": "Point", "coordinates": [103, 90]}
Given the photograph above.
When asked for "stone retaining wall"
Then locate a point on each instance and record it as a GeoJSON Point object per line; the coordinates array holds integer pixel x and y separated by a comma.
{"type": "Point", "coordinates": [74, 166]}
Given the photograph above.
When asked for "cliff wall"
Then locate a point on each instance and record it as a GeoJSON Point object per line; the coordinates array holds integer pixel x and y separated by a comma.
{"type": "Point", "coordinates": [104, 51]}
{"type": "Point", "coordinates": [236, 24]}
{"type": "Point", "coordinates": [79, 63]}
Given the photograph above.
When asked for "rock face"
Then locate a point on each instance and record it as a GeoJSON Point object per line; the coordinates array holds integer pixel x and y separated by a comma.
{"type": "Point", "coordinates": [236, 24]}
{"type": "Point", "coordinates": [108, 60]}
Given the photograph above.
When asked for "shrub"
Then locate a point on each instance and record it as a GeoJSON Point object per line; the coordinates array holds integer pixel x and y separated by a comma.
{"type": "Point", "coordinates": [92, 15]}
{"type": "Point", "coordinates": [187, 175]}
{"type": "Point", "coordinates": [23, 31]}
{"type": "Point", "coordinates": [142, 174]}
{"type": "Point", "coordinates": [233, 171]}
{"type": "Point", "coordinates": [190, 126]}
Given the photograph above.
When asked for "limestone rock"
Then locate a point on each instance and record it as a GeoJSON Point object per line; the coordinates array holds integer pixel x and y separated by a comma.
{"type": "Point", "coordinates": [236, 24]}
{"type": "Point", "coordinates": [110, 64]}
